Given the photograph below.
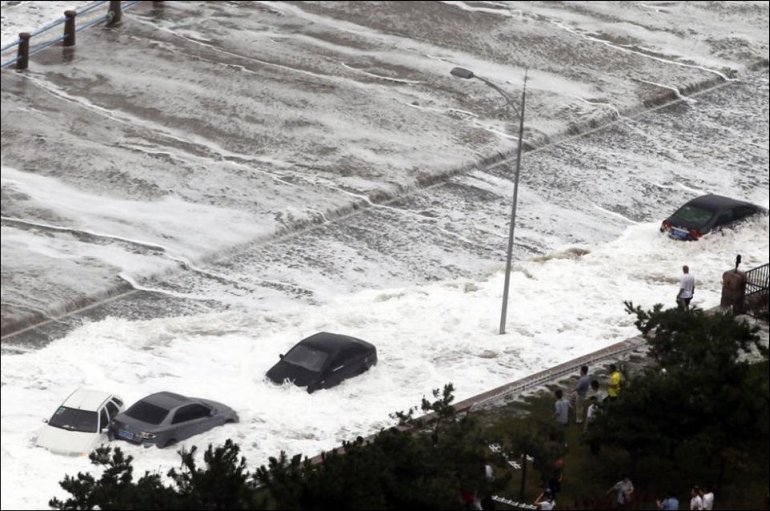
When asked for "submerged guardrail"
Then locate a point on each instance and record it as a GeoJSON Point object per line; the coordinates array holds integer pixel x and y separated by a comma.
{"type": "Point", "coordinates": [27, 44]}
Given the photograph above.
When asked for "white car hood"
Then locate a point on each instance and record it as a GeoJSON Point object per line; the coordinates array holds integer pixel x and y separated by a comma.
{"type": "Point", "coordinates": [63, 441]}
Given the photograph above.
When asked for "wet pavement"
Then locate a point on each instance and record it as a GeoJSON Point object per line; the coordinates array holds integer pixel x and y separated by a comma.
{"type": "Point", "coordinates": [245, 155]}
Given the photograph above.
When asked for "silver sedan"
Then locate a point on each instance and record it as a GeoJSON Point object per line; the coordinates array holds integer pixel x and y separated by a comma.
{"type": "Point", "coordinates": [165, 418]}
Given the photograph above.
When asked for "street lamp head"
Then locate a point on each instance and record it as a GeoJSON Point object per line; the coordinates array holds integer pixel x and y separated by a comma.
{"type": "Point", "coordinates": [461, 72]}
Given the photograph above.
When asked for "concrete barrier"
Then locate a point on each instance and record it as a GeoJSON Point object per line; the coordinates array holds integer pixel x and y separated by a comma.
{"type": "Point", "coordinates": [733, 291]}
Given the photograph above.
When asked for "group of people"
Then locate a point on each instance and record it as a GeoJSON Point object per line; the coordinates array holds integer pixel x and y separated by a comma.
{"type": "Point", "coordinates": [586, 390]}
{"type": "Point", "coordinates": [585, 399]}
{"type": "Point", "coordinates": [699, 499]}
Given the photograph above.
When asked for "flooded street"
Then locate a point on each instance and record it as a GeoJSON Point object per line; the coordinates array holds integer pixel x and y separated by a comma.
{"type": "Point", "coordinates": [188, 194]}
{"type": "Point", "coordinates": [200, 131]}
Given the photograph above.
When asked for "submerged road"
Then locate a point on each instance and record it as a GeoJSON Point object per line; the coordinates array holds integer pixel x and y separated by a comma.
{"type": "Point", "coordinates": [455, 228]}
{"type": "Point", "coordinates": [218, 155]}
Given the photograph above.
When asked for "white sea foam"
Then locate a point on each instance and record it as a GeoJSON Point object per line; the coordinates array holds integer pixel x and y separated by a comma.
{"type": "Point", "coordinates": [426, 336]}
{"type": "Point", "coordinates": [561, 307]}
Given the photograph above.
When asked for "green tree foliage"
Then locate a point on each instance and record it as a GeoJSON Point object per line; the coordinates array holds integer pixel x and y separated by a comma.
{"type": "Point", "coordinates": [701, 397]}
{"type": "Point", "coordinates": [398, 469]}
{"type": "Point", "coordinates": [537, 441]}
{"type": "Point", "coordinates": [223, 484]}
{"type": "Point", "coordinates": [116, 488]}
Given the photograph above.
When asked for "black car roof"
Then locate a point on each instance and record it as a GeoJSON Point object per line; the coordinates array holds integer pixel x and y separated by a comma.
{"type": "Point", "coordinates": [333, 343]}
{"type": "Point", "coordinates": [714, 202]}
{"type": "Point", "coordinates": [167, 400]}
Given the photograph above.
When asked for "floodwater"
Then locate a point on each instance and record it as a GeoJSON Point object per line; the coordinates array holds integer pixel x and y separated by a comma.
{"type": "Point", "coordinates": [250, 173]}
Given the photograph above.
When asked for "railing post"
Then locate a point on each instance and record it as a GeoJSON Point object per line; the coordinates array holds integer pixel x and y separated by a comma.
{"type": "Point", "coordinates": [23, 52]}
{"type": "Point", "coordinates": [115, 12]}
{"type": "Point", "coordinates": [523, 476]}
{"type": "Point", "coordinates": [69, 28]}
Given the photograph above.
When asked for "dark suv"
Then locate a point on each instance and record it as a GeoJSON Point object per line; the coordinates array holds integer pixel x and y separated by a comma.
{"type": "Point", "coordinates": [705, 214]}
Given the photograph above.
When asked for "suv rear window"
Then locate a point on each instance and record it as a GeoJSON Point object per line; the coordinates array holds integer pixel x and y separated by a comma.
{"type": "Point", "coordinates": [147, 412]}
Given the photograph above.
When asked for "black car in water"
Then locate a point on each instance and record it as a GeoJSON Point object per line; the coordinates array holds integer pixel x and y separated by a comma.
{"type": "Point", "coordinates": [705, 214]}
{"type": "Point", "coordinates": [323, 360]}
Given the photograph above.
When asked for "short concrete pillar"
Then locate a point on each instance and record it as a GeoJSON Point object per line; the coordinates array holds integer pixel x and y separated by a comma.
{"type": "Point", "coordinates": [23, 52]}
{"type": "Point", "coordinates": [69, 28]}
{"type": "Point", "coordinates": [733, 290]}
{"type": "Point", "coordinates": [115, 12]}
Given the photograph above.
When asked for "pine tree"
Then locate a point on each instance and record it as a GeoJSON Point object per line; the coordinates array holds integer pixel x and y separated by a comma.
{"type": "Point", "coordinates": [709, 401]}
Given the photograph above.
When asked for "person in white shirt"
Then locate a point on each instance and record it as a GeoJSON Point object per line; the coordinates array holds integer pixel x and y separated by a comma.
{"type": "Point", "coordinates": [708, 498]}
{"type": "Point", "coordinates": [593, 409]}
{"type": "Point", "coordinates": [545, 501]}
{"type": "Point", "coordinates": [623, 490]}
{"type": "Point", "coordinates": [696, 502]}
{"type": "Point", "coordinates": [686, 289]}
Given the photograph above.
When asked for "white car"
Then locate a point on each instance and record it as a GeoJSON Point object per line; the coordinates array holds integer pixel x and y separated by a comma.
{"type": "Point", "coordinates": [79, 425]}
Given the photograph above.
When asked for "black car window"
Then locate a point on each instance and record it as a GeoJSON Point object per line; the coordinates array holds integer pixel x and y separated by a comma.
{"type": "Point", "coordinates": [742, 211]}
{"type": "Point", "coordinates": [105, 420]}
{"type": "Point", "coordinates": [349, 353]}
{"type": "Point", "coordinates": [339, 360]}
{"type": "Point", "coordinates": [147, 412]}
{"type": "Point", "coordinates": [190, 412]}
{"type": "Point", "coordinates": [693, 215]}
{"type": "Point", "coordinates": [724, 217]}
{"type": "Point", "coordinates": [73, 419]}
{"type": "Point", "coordinates": [309, 358]}
{"type": "Point", "coordinates": [112, 408]}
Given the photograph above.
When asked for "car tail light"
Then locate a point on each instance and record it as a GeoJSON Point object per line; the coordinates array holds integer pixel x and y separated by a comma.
{"type": "Point", "coordinates": [665, 226]}
{"type": "Point", "coordinates": [695, 234]}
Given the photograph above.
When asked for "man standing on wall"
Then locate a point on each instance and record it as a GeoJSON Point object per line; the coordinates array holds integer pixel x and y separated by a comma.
{"type": "Point", "coordinates": [581, 389]}
{"type": "Point", "coordinates": [686, 289]}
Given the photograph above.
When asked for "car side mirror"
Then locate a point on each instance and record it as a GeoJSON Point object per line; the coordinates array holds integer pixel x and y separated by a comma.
{"type": "Point", "coordinates": [280, 356]}
{"type": "Point", "coordinates": [45, 420]}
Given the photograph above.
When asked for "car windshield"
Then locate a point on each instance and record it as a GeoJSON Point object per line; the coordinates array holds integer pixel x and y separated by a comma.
{"type": "Point", "coordinates": [73, 419]}
{"type": "Point", "coordinates": [147, 412]}
{"type": "Point", "coordinates": [692, 216]}
{"type": "Point", "coordinates": [309, 358]}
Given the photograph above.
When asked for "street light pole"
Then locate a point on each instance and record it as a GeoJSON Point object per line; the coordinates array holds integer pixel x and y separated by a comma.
{"type": "Point", "coordinates": [513, 212]}
{"type": "Point", "coordinates": [465, 73]}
